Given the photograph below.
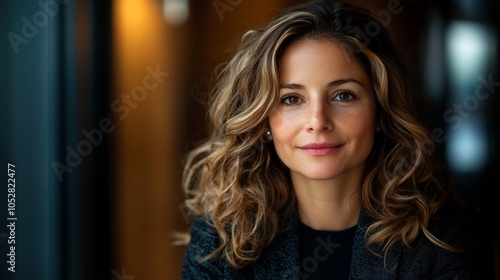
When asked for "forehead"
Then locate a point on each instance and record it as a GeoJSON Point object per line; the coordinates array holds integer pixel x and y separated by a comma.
{"type": "Point", "coordinates": [320, 40]}
{"type": "Point", "coordinates": [318, 57]}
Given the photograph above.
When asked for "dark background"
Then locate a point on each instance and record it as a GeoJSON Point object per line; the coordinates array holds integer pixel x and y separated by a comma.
{"type": "Point", "coordinates": [108, 208]}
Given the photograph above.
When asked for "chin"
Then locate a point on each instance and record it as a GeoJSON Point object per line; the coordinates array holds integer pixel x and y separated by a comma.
{"type": "Point", "coordinates": [321, 175]}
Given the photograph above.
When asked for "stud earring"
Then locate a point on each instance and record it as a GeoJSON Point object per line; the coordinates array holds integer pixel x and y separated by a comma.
{"type": "Point", "coordinates": [268, 135]}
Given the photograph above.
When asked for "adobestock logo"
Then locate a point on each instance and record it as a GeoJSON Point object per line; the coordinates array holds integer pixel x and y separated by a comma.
{"type": "Point", "coordinates": [121, 276]}
{"type": "Point", "coordinates": [222, 6]}
{"type": "Point", "coordinates": [94, 137]}
{"type": "Point", "coordinates": [381, 19]}
{"type": "Point", "coordinates": [454, 118]}
{"type": "Point", "coordinates": [39, 19]}
{"type": "Point", "coordinates": [322, 252]}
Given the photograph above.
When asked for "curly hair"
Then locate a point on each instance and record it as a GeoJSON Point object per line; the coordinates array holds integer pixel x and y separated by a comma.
{"type": "Point", "coordinates": [235, 178]}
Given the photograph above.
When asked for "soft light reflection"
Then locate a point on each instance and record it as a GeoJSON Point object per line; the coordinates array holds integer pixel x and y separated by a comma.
{"type": "Point", "coordinates": [469, 49]}
{"type": "Point", "coordinates": [467, 150]}
{"type": "Point", "coordinates": [467, 45]}
{"type": "Point", "coordinates": [176, 11]}
{"type": "Point", "coordinates": [132, 15]}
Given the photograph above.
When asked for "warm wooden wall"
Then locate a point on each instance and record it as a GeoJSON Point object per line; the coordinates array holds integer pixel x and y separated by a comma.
{"type": "Point", "coordinates": [148, 128]}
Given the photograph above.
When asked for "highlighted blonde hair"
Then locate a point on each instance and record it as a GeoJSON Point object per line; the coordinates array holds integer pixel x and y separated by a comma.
{"type": "Point", "coordinates": [236, 179]}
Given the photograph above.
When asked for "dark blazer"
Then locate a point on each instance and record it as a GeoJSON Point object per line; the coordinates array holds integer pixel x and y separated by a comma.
{"type": "Point", "coordinates": [457, 227]}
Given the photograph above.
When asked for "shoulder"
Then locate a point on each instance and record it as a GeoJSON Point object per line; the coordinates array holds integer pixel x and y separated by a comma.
{"type": "Point", "coordinates": [203, 234]}
{"type": "Point", "coordinates": [277, 260]}
{"type": "Point", "coordinates": [204, 240]}
{"type": "Point", "coordinates": [463, 227]}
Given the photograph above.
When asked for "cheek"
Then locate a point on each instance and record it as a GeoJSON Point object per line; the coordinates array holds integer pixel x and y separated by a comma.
{"type": "Point", "coordinates": [281, 130]}
{"type": "Point", "coordinates": [360, 125]}
{"type": "Point", "coordinates": [368, 123]}
{"type": "Point", "coordinates": [274, 122]}
{"type": "Point", "coordinates": [367, 131]}
{"type": "Point", "coordinates": [285, 120]}
{"type": "Point", "coordinates": [277, 124]}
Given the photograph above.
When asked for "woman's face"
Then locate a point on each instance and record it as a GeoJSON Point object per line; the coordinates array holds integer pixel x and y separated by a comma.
{"type": "Point", "coordinates": [324, 124]}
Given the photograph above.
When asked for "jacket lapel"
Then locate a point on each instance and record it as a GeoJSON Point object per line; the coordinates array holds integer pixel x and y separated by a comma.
{"type": "Point", "coordinates": [280, 259]}
{"type": "Point", "coordinates": [365, 264]}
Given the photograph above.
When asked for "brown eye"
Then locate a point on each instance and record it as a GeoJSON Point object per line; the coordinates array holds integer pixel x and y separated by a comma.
{"type": "Point", "coordinates": [345, 96]}
{"type": "Point", "coordinates": [290, 100]}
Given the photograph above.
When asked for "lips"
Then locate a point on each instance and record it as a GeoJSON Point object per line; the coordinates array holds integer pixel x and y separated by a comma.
{"type": "Point", "coordinates": [320, 149]}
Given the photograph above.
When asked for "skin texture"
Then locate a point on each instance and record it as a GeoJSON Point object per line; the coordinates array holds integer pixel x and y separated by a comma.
{"type": "Point", "coordinates": [325, 98]}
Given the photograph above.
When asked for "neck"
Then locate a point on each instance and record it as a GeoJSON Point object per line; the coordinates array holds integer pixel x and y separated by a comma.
{"type": "Point", "coordinates": [331, 205]}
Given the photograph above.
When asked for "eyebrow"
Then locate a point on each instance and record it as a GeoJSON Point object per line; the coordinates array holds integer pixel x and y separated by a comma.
{"type": "Point", "coordinates": [330, 84]}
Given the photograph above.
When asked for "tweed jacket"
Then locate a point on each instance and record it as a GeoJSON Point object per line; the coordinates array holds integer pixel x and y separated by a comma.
{"type": "Point", "coordinates": [280, 260]}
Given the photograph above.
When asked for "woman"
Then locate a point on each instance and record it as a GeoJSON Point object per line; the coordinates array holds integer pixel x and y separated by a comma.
{"type": "Point", "coordinates": [317, 166]}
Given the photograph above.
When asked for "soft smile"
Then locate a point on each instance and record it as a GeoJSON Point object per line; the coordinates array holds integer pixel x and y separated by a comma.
{"type": "Point", "coordinates": [320, 149]}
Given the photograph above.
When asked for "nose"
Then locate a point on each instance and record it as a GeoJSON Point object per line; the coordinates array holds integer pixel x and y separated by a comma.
{"type": "Point", "coordinates": [319, 117]}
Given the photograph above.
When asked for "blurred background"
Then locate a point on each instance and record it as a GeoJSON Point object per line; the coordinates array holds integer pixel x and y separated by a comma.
{"type": "Point", "coordinates": [100, 102]}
